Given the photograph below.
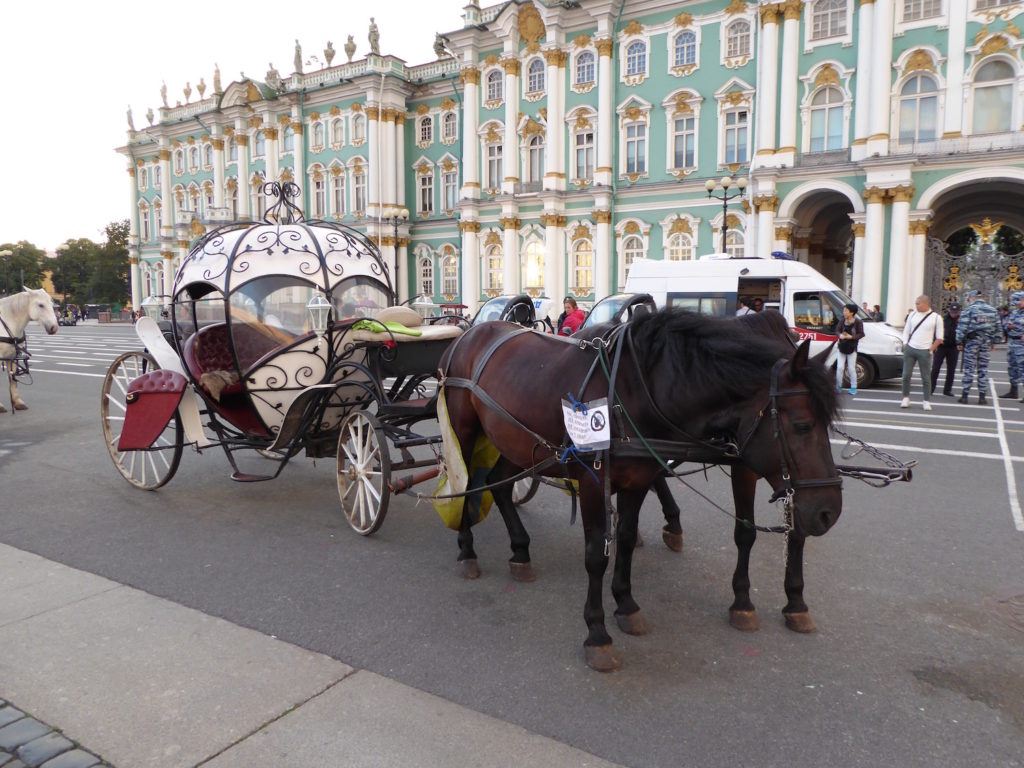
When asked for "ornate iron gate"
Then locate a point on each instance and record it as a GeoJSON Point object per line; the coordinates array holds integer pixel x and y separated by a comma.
{"type": "Point", "coordinates": [992, 272]}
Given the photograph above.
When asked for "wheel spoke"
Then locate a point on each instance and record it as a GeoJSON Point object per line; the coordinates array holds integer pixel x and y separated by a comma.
{"type": "Point", "coordinates": [368, 488]}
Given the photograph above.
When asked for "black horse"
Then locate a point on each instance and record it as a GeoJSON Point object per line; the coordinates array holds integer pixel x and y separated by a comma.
{"type": "Point", "coordinates": [737, 391]}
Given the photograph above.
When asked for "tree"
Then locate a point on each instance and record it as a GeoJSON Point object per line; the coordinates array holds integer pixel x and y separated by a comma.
{"type": "Point", "coordinates": [108, 281]}
{"type": "Point", "coordinates": [23, 268]}
{"type": "Point", "coordinates": [75, 265]}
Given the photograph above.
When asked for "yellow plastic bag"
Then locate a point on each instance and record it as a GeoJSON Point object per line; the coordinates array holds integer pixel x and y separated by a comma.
{"type": "Point", "coordinates": [482, 461]}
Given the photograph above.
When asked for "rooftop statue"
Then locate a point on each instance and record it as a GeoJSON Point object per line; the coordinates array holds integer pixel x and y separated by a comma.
{"type": "Point", "coordinates": [163, 93]}
{"type": "Point", "coordinates": [298, 57]}
{"type": "Point", "coordinates": [329, 53]}
{"type": "Point", "coordinates": [374, 38]}
{"type": "Point", "coordinates": [350, 48]}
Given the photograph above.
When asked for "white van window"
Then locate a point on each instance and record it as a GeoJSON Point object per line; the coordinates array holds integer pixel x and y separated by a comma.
{"type": "Point", "coordinates": [816, 311]}
{"type": "Point", "coordinates": [706, 305]}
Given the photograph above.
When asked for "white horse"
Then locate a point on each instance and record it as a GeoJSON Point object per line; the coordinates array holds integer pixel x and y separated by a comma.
{"type": "Point", "coordinates": [16, 312]}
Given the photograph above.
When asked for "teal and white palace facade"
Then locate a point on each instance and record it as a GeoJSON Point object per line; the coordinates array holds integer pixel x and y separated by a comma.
{"type": "Point", "coordinates": [551, 143]}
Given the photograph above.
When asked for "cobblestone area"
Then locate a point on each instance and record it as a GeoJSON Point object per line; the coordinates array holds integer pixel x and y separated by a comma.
{"type": "Point", "coordinates": [28, 743]}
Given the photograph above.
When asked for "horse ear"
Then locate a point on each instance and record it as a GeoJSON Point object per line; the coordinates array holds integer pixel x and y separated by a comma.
{"type": "Point", "coordinates": [822, 357]}
{"type": "Point", "coordinates": [799, 361]}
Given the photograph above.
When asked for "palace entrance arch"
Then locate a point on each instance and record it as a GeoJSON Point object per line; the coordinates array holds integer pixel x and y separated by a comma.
{"type": "Point", "coordinates": [820, 229]}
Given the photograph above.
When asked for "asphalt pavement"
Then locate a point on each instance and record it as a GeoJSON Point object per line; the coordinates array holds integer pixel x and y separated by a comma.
{"type": "Point", "coordinates": [213, 623]}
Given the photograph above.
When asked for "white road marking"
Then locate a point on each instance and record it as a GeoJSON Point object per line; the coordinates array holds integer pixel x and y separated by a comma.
{"type": "Point", "coordinates": [940, 451]}
{"type": "Point", "coordinates": [875, 425]}
{"type": "Point", "coordinates": [1011, 479]}
{"type": "Point", "coordinates": [80, 365]}
{"type": "Point", "coordinates": [70, 373]}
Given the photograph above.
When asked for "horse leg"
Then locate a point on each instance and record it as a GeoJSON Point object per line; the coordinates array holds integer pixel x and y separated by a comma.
{"type": "Point", "coordinates": [742, 614]}
{"type": "Point", "coordinates": [672, 531]}
{"type": "Point", "coordinates": [519, 539]}
{"type": "Point", "coordinates": [468, 566]}
{"type": "Point", "coordinates": [798, 618]}
{"type": "Point", "coordinates": [627, 612]}
{"type": "Point", "coordinates": [598, 646]}
{"type": "Point", "coordinates": [466, 428]}
{"type": "Point", "coordinates": [16, 401]}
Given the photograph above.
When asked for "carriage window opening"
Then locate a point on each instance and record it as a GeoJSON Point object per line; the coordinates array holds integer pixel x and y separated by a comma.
{"type": "Point", "coordinates": [358, 297]}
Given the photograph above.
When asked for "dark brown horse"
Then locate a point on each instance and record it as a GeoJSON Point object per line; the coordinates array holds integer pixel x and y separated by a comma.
{"type": "Point", "coordinates": [735, 391]}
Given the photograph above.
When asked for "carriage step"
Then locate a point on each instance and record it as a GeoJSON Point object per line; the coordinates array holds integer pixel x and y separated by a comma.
{"type": "Point", "coordinates": [245, 477]}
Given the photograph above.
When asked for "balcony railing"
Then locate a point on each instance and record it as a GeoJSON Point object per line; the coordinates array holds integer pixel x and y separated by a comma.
{"type": "Point", "coordinates": [986, 142]}
{"type": "Point", "coordinates": [527, 187]}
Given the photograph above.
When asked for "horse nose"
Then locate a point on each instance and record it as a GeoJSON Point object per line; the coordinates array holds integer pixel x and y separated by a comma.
{"type": "Point", "coordinates": [827, 518]}
{"type": "Point", "coordinates": [51, 330]}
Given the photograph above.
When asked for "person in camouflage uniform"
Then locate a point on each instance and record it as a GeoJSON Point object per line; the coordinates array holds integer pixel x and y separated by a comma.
{"type": "Point", "coordinates": [976, 336]}
{"type": "Point", "coordinates": [1014, 327]}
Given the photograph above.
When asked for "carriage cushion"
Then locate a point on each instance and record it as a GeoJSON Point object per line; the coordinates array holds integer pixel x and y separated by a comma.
{"type": "Point", "coordinates": [407, 316]}
{"type": "Point", "coordinates": [427, 333]}
{"type": "Point", "coordinates": [151, 401]}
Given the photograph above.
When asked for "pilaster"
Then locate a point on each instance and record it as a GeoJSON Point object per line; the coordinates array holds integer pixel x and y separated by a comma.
{"type": "Point", "coordinates": [881, 80]}
{"type": "Point", "coordinates": [898, 299]}
{"type": "Point", "coordinates": [788, 84]}
{"type": "Point", "coordinates": [218, 168]}
{"type": "Point", "coordinates": [956, 41]}
{"type": "Point", "coordinates": [470, 264]}
{"type": "Point", "coordinates": [554, 176]}
{"type": "Point", "coordinates": [170, 206]}
{"type": "Point", "coordinates": [510, 249]}
{"type": "Point", "coordinates": [299, 159]}
{"type": "Point", "coordinates": [373, 142]}
{"type": "Point", "coordinates": [603, 250]}
{"type": "Point", "coordinates": [510, 150]}
{"type": "Point", "coordinates": [605, 117]}
{"type": "Point", "coordinates": [400, 159]}
{"type": "Point", "coordinates": [874, 234]}
{"type": "Point", "coordinates": [769, 78]}
{"type": "Point", "coordinates": [862, 104]}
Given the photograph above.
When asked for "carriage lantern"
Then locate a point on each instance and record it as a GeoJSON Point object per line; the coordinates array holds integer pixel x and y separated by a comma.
{"type": "Point", "coordinates": [319, 309]}
{"type": "Point", "coordinates": [152, 305]}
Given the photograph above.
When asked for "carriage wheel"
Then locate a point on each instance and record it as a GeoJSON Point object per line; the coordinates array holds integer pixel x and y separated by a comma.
{"type": "Point", "coordinates": [364, 470]}
{"type": "Point", "coordinates": [151, 468]}
{"type": "Point", "coordinates": [524, 490]}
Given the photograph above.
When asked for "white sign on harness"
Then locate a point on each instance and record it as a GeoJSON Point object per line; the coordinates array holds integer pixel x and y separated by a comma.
{"type": "Point", "coordinates": [587, 424]}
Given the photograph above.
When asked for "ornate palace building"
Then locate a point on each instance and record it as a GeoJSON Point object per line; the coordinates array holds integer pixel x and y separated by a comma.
{"type": "Point", "coordinates": [553, 142]}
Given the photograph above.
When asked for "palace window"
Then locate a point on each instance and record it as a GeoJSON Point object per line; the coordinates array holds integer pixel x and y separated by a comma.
{"type": "Point", "coordinates": [737, 39]}
{"type": "Point", "coordinates": [684, 49]}
{"type": "Point", "coordinates": [827, 120]}
{"type": "Point", "coordinates": [632, 249]}
{"type": "Point", "coordinates": [425, 199]}
{"type": "Point", "coordinates": [259, 146]}
{"type": "Point", "coordinates": [536, 165]}
{"type": "Point", "coordinates": [680, 247]}
{"type": "Point", "coordinates": [734, 245]}
{"type": "Point", "coordinates": [358, 128]}
{"type": "Point", "coordinates": [338, 194]}
{"type": "Point", "coordinates": [684, 142]}
{"type": "Point", "coordinates": [318, 135]}
{"type": "Point", "coordinates": [158, 176]}
{"type": "Point", "coordinates": [585, 68]}
{"type": "Point", "coordinates": [584, 140]}
{"type": "Point", "coordinates": [231, 196]}
{"type": "Point", "coordinates": [828, 19]}
{"type": "Point", "coordinates": [495, 85]}
{"type": "Point", "coordinates": [450, 180]}
{"type": "Point", "coordinates": [193, 159]}
{"type": "Point", "coordinates": [426, 130]}
{"type": "Point", "coordinates": [337, 131]}
{"type": "Point", "coordinates": [535, 76]}
{"type": "Point", "coordinates": [207, 156]}
{"type": "Point", "coordinates": [636, 58]}
{"type": "Point", "coordinates": [319, 195]}
{"type": "Point", "coordinates": [919, 109]}
{"type": "Point", "coordinates": [983, 4]}
{"type": "Point", "coordinates": [449, 127]}
{"type": "Point", "coordinates": [736, 124]}
{"type": "Point", "coordinates": [532, 273]}
{"type": "Point", "coordinates": [914, 10]}
{"type": "Point", "coordinates": [494, 170]}
{"type": "Point", "coordinates": [426, 276]}
{"type": "Point", "coordinates": [494, 267]}
{"type": "Point", "coordinates": [636, 148]}
{"type": "Point", "coordinates": [288, 138]}
{"type": "Point", "coordinates": [158, 216]}
{"type": "Point", "coordinates": [144, 222]}
{"type": "Point", "coordinates": [993, 98]}
{"type": "Point", "coordinates": [583, 265]}
{"type": "Point", "coordinates": [179, 162]}
{"type": "Point", "coordinates": [450, 276]}
{"type": "Point", "coordinates": [359, 192]}
{"type": "Point", "coordinates": [232, 151]}
{"type": "Point", "coordinates": [259, 200]}
{"type": "Point", "coordinates": [143, 179]}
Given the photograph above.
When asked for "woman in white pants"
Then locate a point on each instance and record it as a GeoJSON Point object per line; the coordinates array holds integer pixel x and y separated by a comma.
{"type": "Point", "coordinates": [851, 331]}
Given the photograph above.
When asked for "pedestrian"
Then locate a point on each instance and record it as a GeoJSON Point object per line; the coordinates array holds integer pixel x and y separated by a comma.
{"type": "Point", "coordinates": [976, 336]}
{"type": "Point", "coordinates": [1004, 315]}
{"type": "Point", "coordinates": [1014, 327]}
{"type": "Point", "coordinates": [947, 352]}
{"type": "Point", "coordinates": [571, 319]}
{"type": "Point", "coordinates": [877, 315]}
{"type": "Point", "coordinates": [744, 309]}
{"type": "Point", "coordinates": [758, 305]}
{"type": "Point", "coordinates": [922, 335]}
{"type": "Point", "coordinates": [864, 306]}
{"type": "Point", "coordinates": [850, 331]}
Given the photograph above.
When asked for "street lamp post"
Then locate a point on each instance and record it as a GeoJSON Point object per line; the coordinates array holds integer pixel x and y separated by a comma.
{"type": "Point", "coordinates": [5, 255]}
{"type": "Point", "coordinates": [397, 216]}
{"type": "Point", "coordinates": [722, 187]}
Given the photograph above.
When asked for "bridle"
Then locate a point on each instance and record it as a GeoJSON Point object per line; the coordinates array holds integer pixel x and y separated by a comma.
{"type": "Point", "coordinates": [19, 362]}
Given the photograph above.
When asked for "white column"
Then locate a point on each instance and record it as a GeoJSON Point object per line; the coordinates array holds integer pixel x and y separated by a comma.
{"type": "Point", "coordinates": [168, 277]}
{"type": "Point", "coordinates": [167, 230]}
{"type": "Point", "coordinates": [765, 231]}
{"type": "Point", "coordinates": [299, 161]}
{"type": "Point", "coordinates": [898, 296]}
{"type": "Point", "coordinates": [388, 176]}
{"type": "Point", "coordinates": [881, 80]}
{"type": "Point", "coordinates": [470, 264]}
{"type": "Point", "coordinates": [241, 138]}
{"type": "Point", "coordinates": [273, 155]}
{"type": "Point", "coordinates": [400, 159]}
{"type": "Point", "coordinates": [373, 168]}
{"type": "Point", "coordinates": [403, 269]}
{"type": "Point", "coordinates": [857, 282]}
{"type": "Point", "coordinates": [218, 168]}
{"type": "Point", "coordinates": [554, 175]}
{"type": "Point", "coordinates": [788, 85]}
{"type": "Point", "coordinates": [510, 150]}
{"type": "Point", "coordinates": [133, 237]}
{"type": "Point", "coordinates": [953, 119]}
{"type": "Point", "coordinates": [603, 254]}
{"type": "Point", "coordinates": [511, 260]}
{"type": "Point", "coordinates": [918, 242]}
{"type": "Point", "coordinates": [768, 63]}
{"type": "Point", "coordinates": [136, 277]}
{"type": "Point", "coordinates": [552, 264]}
{"type": "Point", "coordinates": [605, 117]}
{"type": "Point", "coordinates": [874, 246]}
{"type": "Point", "coordinates": [862, 105]}
{"type": "Point", "coordinates": [470, 140]}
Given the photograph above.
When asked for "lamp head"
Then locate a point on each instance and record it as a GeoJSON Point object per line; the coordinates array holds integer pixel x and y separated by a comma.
{"type": "Point", "coordinates": [710, 185]}
{"type": "Point", "coordinates": [726, 182]}
{"type": "Point", "coordinates": [741, 182]}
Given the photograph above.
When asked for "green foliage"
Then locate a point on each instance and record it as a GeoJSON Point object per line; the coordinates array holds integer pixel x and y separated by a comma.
{"type": "Point", "coordinates": [22, 268]}
{"type": "Point", "coordinates": [1009, 240]}
{"type": "Point", "coordinates": [961, 241]}
{"type": "Point", "coordinates": [94, 273]}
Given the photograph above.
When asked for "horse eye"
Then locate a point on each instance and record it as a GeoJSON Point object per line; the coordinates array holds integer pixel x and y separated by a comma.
{"type": "Point", "coordinates": [803, 428]}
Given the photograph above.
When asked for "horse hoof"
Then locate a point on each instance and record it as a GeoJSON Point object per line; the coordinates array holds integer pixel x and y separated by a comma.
{"type": "Point", "coordinates": [673, 541]}
{"type": "Point", "coordinates": [744, 621]}
{"type": "Point", "coordinates": [522, 571]}
{"type": "Point", "coordinates": [632, 623]}
{"type": "Point", "coordinates": [468, 569]}
{"type": "Point", "coordinates": [800, 622]}
{"type": "Point", "coordinates": [19, 406]}
{"type": "Point", "coordinates": [602, 658]}
{"type": "Point", "coordinates": [2, 409]}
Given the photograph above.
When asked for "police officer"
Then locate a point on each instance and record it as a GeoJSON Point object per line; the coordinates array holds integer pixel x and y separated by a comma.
{"type": "Point", "coordinates": [1014, 326]}
{"type": "Point", "coordinates": [947, 351]}
{"type": "Point", "coordinates": [976, 336]}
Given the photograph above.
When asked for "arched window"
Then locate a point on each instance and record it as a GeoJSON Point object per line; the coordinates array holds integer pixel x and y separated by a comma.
{"type": "Point", "coordinates": [536, 158]}
{"type": "Point", "coordinates": [828, 19]}
{"type": "Point", "coordinates": [426, 129]}
{"type": "Point", "coordinates": [288, 138]}
{"type": "Point", "coordinates": [494, 269]}
{"type": "Point", "coordinates": [207, 155]}
{"type": "Point", "coordinates": [338, 193]}
{"type": "Point", "coordinates": [495, 85]}
{"type": "Point", "coordinates": [636, 58]}
{"type": "Point", "coordinates": [494, 166]}
{"type": "Point", "coordinates": [993, 98]}
{"type": "Point", "coordinates": [585, 68]}
{"type": "Point", "coordinates": [358, 128]}
{"type": "Point", "coordinates": [144, 222]}
{"type": "Point", "coordinates": [259, 146]}
{"type": "Point", "coordinates": [583, 138]}
{"type": "Point", "coordinates": [680, 247]}
{"type": "Point", "coordinates": [143, 179]}
{"type": "Point", "coordinates": [734, 243]}
{"type": "Point", "coordinates": [449, 126]}
{"type": "Point", "coordinates": [684, 49]}
{"type": "Point", "coordinates": [319, 193]}
{"type": "Point", "coordinates": [919, 109]}
{"type": "Point", "coordinates": [535, 76]}
{"type": "Point", "coordinates": [337, 131]}
{"type": "Point", "coordinates": [179, 162]}
{"type": "Point", "coordinates": [426, 276]}
{"type": "Point", "coordinates": [583, 266]}
{"type": "Point", "coordinates": [737, 39]}
{"type": "Point", "coordinates": [533, 265]}
{"type": "Point", "coordinates": [231, 198]}
{"type": "Point", "coordinates": [632, 249]}
{"type": "Point", "coordinates": [193, 158]}
{"type": "Point", "coordinates": [450, 276]}
{"type": "Point", "coordinates": [827, 120]}
{"type": "Point", "coordinates": [158, 176]}
{"type": "Point", "coordinates": [232, 151]}
{"type": "Point", "coordinates": [318, 134]}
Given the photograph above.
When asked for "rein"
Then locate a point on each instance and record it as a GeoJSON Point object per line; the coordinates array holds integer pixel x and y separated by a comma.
{"type": "Point", "coordinates": [19, 361]}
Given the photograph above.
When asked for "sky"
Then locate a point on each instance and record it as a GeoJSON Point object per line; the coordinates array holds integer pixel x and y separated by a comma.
{"type": "Point", "coordinates": [73, 68]}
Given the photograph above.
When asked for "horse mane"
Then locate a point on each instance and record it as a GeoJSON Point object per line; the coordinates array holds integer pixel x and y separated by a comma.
{"type": "Point", "coordinates": [711, 357]}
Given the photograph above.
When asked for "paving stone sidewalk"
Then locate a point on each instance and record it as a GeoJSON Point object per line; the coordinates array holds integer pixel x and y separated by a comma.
{"type": "Point", "coordinates": [28, 743]}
